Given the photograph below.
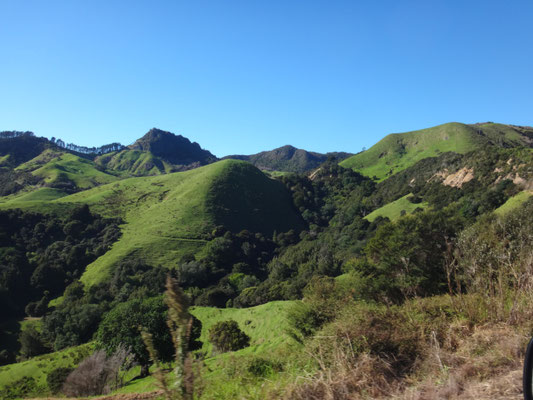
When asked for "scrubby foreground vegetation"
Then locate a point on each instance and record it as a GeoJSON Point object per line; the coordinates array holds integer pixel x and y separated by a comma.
{"type": "Point", "coordinates": [412, 284]}
{"type": "Point", "coordinates": [467, 343]}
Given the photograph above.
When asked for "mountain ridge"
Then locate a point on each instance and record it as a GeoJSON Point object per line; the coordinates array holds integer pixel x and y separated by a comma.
{"type": "Point", "coordinates": [397, 151]}
{"type": "Point", "coordinates": [288, 159]}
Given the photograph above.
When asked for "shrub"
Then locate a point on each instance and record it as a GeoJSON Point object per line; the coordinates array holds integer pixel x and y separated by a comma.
{"type": "Point", "coordinates": [227, 336]}
{"type": "Point", "coordinates": [6, 357]}
{"type": "Point", "coordinates": [262, 367]}
{"type": "Point", "coordinates": [323, 298]}
{"type": "Point", "coordinates": [56, 378]}
{"type": "Point", "coordinates": [31, 342]}
{"type": "Point", "coordinates": [20, 388]}
{"type": "Point", "coordinates": [98, 374]}
{"type": "Point", "coordinates": [303, 320]}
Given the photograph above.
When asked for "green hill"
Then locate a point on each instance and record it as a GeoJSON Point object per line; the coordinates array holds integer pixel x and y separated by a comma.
{"type": "Point", "coordinates": [19, 147]}
{"type": "Point", "coordinates": [65, 170]}
{"type": "Point", "coordinates": [399, 151]}
{"type": "Point", "coordinates": [170, 215]}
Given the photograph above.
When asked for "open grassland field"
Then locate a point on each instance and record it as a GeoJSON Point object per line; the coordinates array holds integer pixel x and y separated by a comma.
{"type": "Point", "coordinates": [399, 151]}
{"type": "Point", "coordinates": [26, 198]}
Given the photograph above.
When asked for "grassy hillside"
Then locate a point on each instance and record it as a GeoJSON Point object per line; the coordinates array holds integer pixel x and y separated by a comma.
{"type": "Point", "coordinates": [37, 196]}
{"type": "Point", "coordinates": [226, 374]}
{"type": "Point", "coordinates": [399, 151]}
{"type": "Point", "coordinates": [39, 367]}
{"type": "Point", "coordinates": [394, 209]}
{"type": "Point", "coordinates": [58, 168]}
{"type": "Point", "coordinates": [170, 215]}
{"type": "Point", "coordinates": [514, 202]}
{"type": "Point", "coordinates": [134, 162]}
{"type": "Point", "coordinates": [265, 324]}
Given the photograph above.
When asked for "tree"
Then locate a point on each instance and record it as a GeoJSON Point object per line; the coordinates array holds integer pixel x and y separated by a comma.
{"type": "Point", "coordinates": [31, 342]}
{"type": "Point", "coordinates": [121, 326]}
{"type": "Point", "coordinates": [407, 258]}
{"type": "Point", "coordinates": [227, 336]}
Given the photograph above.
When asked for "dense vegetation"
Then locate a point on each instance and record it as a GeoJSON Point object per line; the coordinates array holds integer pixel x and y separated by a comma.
{"type": "Point", "coordinates": [43, 254]}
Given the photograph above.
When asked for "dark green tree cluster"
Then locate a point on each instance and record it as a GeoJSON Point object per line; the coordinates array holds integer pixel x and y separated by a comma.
{"type": "Point", "coordinates": [318, 197]}
{"type": "Point", "coordinates": [78, 317]}
{"type": "Point", "coordinates": [122, 326]}
{"type": "Point", "coordinates": [41, 254]}
{"type": "Point", "coordinates": [408, 257]}
{"type": "Point", "coordinates": [232, 263]}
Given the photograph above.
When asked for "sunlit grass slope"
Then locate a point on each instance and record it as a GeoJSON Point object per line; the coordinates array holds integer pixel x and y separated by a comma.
{"type": "Point", "coordinates": [60, 167]}
{"type": "Point", "coordinates": [399, 151]}
{"type": "Point", "coordinates": [39, 367]}
{"type": "Point", "coordinates": [394, 209]}
{"type": "Point", "coordinates": [169, 215]}
{"type": "Point", "coordinates": [265, 324]}
{"type": "Point", "coordinates": [134, 162]}
{"type": "Point", "coordinates": [514, 202]}
{"type": "Point", "coordinates": [267, 327]}
{"type": "Point", "coordinates": [37, 196]}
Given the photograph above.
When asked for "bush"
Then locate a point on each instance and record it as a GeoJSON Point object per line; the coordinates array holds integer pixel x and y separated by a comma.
{"type": "Point", "coordinates": [56, 378]}
{"type": "Point", "coordinates": [21, 388]}
{"type": "Point", "coordinates": [387, 333]}
{"type": "Point", "coordinates": [262, 367]}
{"type": "Point", "coordinates": [7, 357]}
{"type": "Point", "coordinates": [323, 298]}
{"type": "Point", "coordinates": [303, 320]}
{"type": "Point", "coordinates": [227, 336]}
{"type": "Point", "coordinates": [98, 374]}
{"type": "Point", "coordinates": [31, 343]}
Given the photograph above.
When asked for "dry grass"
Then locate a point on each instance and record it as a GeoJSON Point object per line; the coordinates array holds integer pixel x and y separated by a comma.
{"type": "Point", "coordinates": [420, 356]}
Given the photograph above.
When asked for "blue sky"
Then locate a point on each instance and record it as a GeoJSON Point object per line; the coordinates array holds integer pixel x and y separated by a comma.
{"type": "Point", "coordinates": [240, 77]}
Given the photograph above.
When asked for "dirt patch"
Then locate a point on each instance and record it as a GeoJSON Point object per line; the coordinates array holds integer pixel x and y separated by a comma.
{"type": "Point", "coordinates": [459, 178]}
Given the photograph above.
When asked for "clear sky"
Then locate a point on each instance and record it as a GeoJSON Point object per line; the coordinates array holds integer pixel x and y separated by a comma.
{"type": "Point", "coordinates": [240, 77]}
